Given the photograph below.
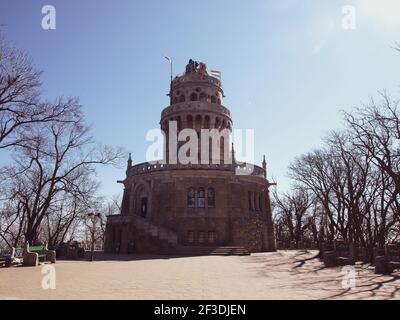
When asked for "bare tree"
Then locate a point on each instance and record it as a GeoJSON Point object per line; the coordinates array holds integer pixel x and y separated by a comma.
{"type": "Point", "coordinates": [20, 103]}
{"type": "Point", "coordinates": [56, 162]}
{"type": "Point", "coordinates": [354, 179]}
{"type": "Point", "coordinates": [292, 210]}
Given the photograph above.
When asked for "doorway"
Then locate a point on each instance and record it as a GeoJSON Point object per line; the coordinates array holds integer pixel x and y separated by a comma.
{"type": "Point", "coordinates": [143, 207]}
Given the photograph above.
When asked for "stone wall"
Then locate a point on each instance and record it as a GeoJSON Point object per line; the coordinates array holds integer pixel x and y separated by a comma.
{"type": "Point", "coordinates": [231, 219]}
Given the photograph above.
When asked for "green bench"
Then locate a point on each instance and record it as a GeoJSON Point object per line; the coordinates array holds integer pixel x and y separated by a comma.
{"type": "Point", "coordinates": [40, 250]}
{"type": "Point", "coordinates": [34, 254]}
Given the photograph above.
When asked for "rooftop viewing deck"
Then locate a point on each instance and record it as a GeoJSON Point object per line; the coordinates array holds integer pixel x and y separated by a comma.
{"type": "Point", "coordinates": [242, 168]}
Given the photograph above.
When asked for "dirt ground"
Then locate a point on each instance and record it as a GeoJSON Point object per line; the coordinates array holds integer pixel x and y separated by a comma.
{"type": "Point", "coordinates": [279, 275]}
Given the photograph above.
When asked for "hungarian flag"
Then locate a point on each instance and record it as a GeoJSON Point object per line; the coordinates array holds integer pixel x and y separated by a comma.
{"type": "Point", "coordinates": [216, 73]}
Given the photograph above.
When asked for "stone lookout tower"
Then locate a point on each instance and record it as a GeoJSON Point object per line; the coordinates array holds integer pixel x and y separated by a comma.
{"type": "Point", "coordinates": [200, 205]}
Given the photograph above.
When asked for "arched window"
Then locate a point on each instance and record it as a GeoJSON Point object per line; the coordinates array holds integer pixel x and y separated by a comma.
{"type": "Point", "coordinates": [143, 207]}
{"type": "Point", "coordinates": [213, 99]}
{"type": "Point", "coordinates": [251, 204]}
{"type": "Point", "coordinates": [200, 198]}
{"type": "Point", "coordinates": [182, 98]}
{"type": "Point", "coordinates": [210, 197]}
{"type": "Point", "coordinates": [189, 121]}
{"type": "Point", "coordinates": [223, 126]}
{"type": "Point", "coordinates": [193, 97]}
{"type": "Point", "coordinates": [203, 96]}
{"type": "Point", "coordinates": [219, 101]}
{"type": "Point", "coordinates": [217, 123]}
{"type": "Point", "coordinates": [197, 123]}
{"type": "Point", "coordinates": [207, 122]}
{"type": "Point", "coordinates": [191, 198]}
{"type": "Point", "coordinates": [255, 197]}
{"type": "Point", "coordinates": [179, 123]}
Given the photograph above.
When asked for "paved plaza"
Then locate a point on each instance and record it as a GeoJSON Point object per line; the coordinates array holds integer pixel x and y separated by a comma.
{"type": "Point", "coordinates": [278, 275]}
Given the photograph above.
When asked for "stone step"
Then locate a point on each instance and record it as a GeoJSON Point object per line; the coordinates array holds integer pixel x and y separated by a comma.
{"type": "Point", "coordinates": [204, 250]}
{"type": "Point", "coordinates": [155, 231]}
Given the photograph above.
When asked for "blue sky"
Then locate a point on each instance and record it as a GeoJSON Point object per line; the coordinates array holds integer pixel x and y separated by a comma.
{"type": "Point", "coordinates": [288, 66]}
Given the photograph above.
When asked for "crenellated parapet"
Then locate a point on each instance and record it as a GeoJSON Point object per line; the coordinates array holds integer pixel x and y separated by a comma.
{"type": "Point", "coordinates": [196, 85]}
{"type": "Point", "coordinates": [242, 168]}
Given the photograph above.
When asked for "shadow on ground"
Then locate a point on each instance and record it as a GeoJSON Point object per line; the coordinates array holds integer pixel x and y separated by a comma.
{"type": "Point", "coordinates": [303, 273]}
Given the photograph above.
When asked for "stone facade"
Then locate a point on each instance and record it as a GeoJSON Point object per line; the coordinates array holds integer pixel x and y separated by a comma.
{"type": "Point", "coordinates": [167, 205]}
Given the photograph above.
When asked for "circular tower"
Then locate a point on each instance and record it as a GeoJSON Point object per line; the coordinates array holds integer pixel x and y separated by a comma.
{"type": "Point", "coordinates": [205, 203]}
{"type": "Point", "coordinates": [196, 103]}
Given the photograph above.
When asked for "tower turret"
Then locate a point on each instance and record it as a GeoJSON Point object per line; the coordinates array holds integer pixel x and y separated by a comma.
{"type": "Point", "coordinates": [129, 162]}
{"type": "Point", "coordinates": [196, 103]}
{"type": "Point", "coordinates": [264, 165]}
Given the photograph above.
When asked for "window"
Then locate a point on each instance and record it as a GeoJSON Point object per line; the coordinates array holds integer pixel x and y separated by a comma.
{"type": "Point", "coordinates": [182, 98]}
{"type": "Point", "coordinates": [189, 121]}
{"type": "Point", "coordinates": [143, 207]}
{"type": "Point", "coordinates": [200, 198]}
{"type": "Point", "coordinates": [190, 236]}
{"type": "Point", "coordinates": [251, 207]}
{"type": "Point", "coordinates": [206, 122]}
{"type": "Point", "coordinates": [255, 201]}
{"type": "Point", "coordinates": [217, 122]}
{"type": "Point", "coordinates": [212, 236]}
{"type": "Point", "coordinates": [201, 237]}
{"type": "Point", "coordinates": [210, 197]}
{"type": "Point", "coordinates": [193, 97]}
{"type": "Point", "coordinates": [213, 99]}
{"type": "Point", "coordinates": [203, 96]}
{"type": "Point", "coordinates": [197, 123]}
{"type": "Point", "coordinates": [191, 198]}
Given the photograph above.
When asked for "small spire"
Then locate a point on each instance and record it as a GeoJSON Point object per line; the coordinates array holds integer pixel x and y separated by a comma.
{"type": "Point", "coordinates": [264, 165]}
{"type": "Point", "coordinates": [130, 161]}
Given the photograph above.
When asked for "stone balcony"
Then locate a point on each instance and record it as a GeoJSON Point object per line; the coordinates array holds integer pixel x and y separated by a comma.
{"type": "Point", "coordinates": [240, 169]}
{"type": "Point", "coordinates": [196, 78]}
{"type": "Point", "coordinates": [193, 106]}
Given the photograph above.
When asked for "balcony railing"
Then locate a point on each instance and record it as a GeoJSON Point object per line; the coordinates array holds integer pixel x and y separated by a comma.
{"type": "Point", "coordinates": [241, 169]}
{"type": "Point", "coordinates": [197, 106]}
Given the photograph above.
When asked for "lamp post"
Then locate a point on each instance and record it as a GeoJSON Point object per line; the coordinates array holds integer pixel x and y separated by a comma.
{"type": "Point", "coordinates": [93, 217]}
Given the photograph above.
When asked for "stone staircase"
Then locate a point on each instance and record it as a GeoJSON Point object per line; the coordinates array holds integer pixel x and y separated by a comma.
{"type": "Point", "coordinates": [207, 251]}
{"type": "Point", "coordinates": [157, 232]}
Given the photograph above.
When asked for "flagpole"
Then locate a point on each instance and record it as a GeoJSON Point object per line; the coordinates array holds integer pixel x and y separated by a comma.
{"type": "Point", "coordinates": [171, 70]}
{"type": "Point", "coordinates": [170, 86]}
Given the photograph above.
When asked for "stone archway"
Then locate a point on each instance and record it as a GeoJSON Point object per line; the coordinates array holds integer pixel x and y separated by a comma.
{"type": "Point", "coordinates": [142, 199]}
